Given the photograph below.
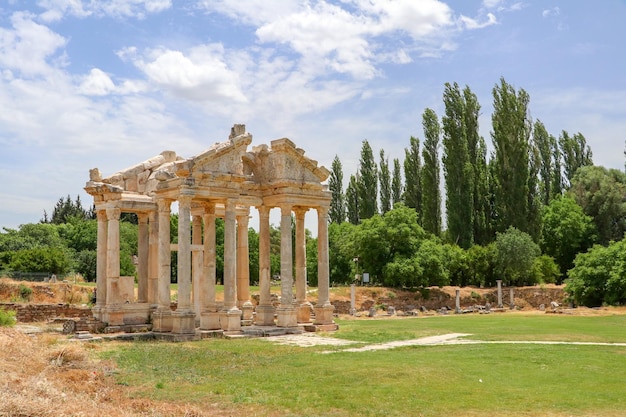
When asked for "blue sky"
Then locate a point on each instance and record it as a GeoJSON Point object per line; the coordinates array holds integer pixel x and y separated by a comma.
{"type": "Point", "coordinates": [107, 84]}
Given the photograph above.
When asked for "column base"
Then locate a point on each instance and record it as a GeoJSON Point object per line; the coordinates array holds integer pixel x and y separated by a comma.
{"type": "Point", "coordinates": [210, 320]}
{"type": "Point", "coordinates": [162, 321]}
{"type": "Point", "coordinates": [304, 312]}
{"type": "Point", "coordinates": [324, 315]}
{"type": "Point", "coordinates": [247, 309]}
{"type": "Point", "coordinates": [264, 316]}
{"type": "Point", "coordinates": [230, 320]}
{"type": "Point", "coordinates": [286, 317]}
{"type": "Point", "coordinates": [183, 322]}
{"type": "Point", "coordinates": [98, 312]}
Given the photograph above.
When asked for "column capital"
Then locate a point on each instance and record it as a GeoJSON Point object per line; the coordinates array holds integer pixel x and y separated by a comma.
{"type": "Point", "coordinates": [185, 200]}
{"type": "Point", "coordinates": [285, 208]}
{"type": "Point", "coordinates": [322, 211]}
{"type": "Point", "coordinates": [164, 205]}
{"type": "Point", "coordinates": [209, 207]}
{"type": "Point", "coordinates": [142, 218]}
{"type": "Point", "coordinates": [102, 215]}
{"type": "Point", "coordinates": [113, 213]}
{"type": "Point", "coordinates": [264, 211]}
{"type": "Point", "coordinates": [300, 211]}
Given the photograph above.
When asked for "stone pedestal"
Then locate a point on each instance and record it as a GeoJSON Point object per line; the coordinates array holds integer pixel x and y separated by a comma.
{"type": "Point", "coordinates": [230, 320]}
{"type": "Point", "coordinates": [286, 317]}
{"type": "Point", "coordinates": [304, 312]}
{"type": "Point", "coordinates": [115, 316]}
{"type": "Point", "coordinates": [183, 322]}
{"type": "Point", "coordinates": [210, 320]}
{"type": "Point", "coordinates": [264, 316]}
{"type": "Point", "coordinates": [162, 321]}
{"type": "Point", "coordinates": [247, 309]}
{"type": "Point", "coordinates": [324, 315]}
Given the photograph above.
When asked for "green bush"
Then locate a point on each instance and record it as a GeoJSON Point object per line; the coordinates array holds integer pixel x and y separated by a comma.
{"type": "Point", "coordinates": [25, 292]}
{"type": "Point", "coordinates": [7, 318]}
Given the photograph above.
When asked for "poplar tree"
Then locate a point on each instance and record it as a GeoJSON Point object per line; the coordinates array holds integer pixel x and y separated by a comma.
{"type": "Point", "coordinates": [511, 140]}
{"type": "Point", "coordinates": [457, 168]}
{"type": "Point", "coordinates": [412, 196]}
{"type": "Point", "coordinates": [396, 183]}
{"type": "Point", "coordinates": [431, 198]}
{"type": "Point", "coordinates": [576, 153]}
{"type": "Point", "coordinates": [352, 200]}
{"type": "Point", "coordinates": [367, 184]}
{"type": "Point", "coordinates": [337, 212]}
{"type": "Point", "coordinates": [385, 184]}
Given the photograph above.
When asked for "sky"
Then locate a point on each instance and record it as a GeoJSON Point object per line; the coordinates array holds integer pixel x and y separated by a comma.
{"type": "Point", "coordinates": [108, 84]}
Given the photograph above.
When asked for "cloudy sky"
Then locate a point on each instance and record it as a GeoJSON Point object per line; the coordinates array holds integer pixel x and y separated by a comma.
{"type": "Point", "coordinates": [107, 84]}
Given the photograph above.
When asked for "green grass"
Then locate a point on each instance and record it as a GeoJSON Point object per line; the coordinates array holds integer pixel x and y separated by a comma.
{"type": "Point", "coordinates": [517, 380]}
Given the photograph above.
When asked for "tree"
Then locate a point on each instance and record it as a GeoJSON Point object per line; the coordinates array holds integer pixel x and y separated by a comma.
{"type": "Point", "coordinates": [352, 200]}
{"type": "Point", "coordinates": [544, 143]}
{"type": "Point", "coordinates": [511, 134]}
{"type": "Point", "coordinates": [600, 192]}
{"type": "Point", "coordinates": [385, 183]}
{"type": "Point", "coordinates": [66, 209]}
{"type": "Point", "coordinates": [566, 232]}
{"type": "Point", "coordinates": [396, 183]}
{"type": "Point", "coordinates": [599, 276]}
{"type": "Point", "coordinates": [431, 196]}
{"type": "Point", "coordinates": [337, 212]}
{"type": "Point", "coordinates": [576, 153]}
{"type": "Point", "coordinates": [457, 168]}
{"type": "Point", "coordinates": [516, 254]}
{"type": "Point", "coordinates": [367, 186]}
{"type": "Point", "coordinates": [412, 173]}
{"type": "Point", "coordinates": [341, 252]}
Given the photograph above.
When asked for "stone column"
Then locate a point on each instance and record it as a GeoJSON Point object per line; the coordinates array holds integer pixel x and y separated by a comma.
{"type": "Point", "coordinates": [143, 249]}
{"type": "Point", "coordinates": [230, 318]}
{"type": "Point", "coordinates": [113, 298]}
{"type": "Point", "coordinates": [243, 269]}
{"type": "Point", "coordinates": [499, 282]}
{"type": "Point", "coordinates": [196, 264]}
{"type": "Point", "coordinates": [287, 315]}
{"type": "Point", "coordinates": [184, 317]}
{"type": "Point", "coordinates": [209, 317]}
{"type": "Point", "coordinates": [162, 317]}
{"type": "Point", "coordinates": [352, 300]}
{"type": "Point", "coordinates": [153, 265]}
{"type": "Point", "coordinates": [265, 310]}
{"type": "Point", "coordinates": [512, 298]}
{"type": "Point", "coordinates": [323, 309]}
{"type": "Point", "coordinates": [457, 308]}
{"type": "Point", "coordinates": [303, 306]}
{"type": "Point", "coordinates": [101, 265]}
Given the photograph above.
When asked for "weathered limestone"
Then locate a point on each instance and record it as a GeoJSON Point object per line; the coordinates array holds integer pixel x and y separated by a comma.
{"type": "Point", "coordinates": [225, 180]}
{"type": "Point", "coordinates": [499, 282]}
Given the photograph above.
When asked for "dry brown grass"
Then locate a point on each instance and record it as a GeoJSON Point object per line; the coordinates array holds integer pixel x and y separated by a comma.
{"type": "Point", "coordinates": [44, 375]}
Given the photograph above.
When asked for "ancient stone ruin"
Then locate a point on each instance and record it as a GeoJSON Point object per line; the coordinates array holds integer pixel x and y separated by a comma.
{"type": "Point", "coordinates": [225, 181]}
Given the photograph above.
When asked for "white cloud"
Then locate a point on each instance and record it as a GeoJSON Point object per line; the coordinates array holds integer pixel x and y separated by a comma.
{"type": "Point", "coordinates": [252, 12]}
{"type": "Point", "coordinates": [490, 4]}
{"type": "Point", "coordinates": [201, 74]}
{"type": "Point", "coordinates": [555, 11]}
{"type": "Point", "coordinates": [471, 24]}
{"type": "Point", "coordinates": [28, 45]}
{"type": "Point", "coordinates": [55, 10]}
{"type": "Point", "coordinates": [97, 83]}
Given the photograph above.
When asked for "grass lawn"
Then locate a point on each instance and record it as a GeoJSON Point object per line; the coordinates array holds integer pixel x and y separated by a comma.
{"type": "Point", "coordinates": [464, 380]}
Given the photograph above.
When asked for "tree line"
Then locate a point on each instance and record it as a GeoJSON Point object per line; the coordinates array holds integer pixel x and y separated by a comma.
{"type": "Point", "coordinates": [523, 213]}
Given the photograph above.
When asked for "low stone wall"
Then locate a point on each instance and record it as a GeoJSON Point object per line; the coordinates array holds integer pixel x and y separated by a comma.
{"type": "Point", "coordinates": [29, 313]}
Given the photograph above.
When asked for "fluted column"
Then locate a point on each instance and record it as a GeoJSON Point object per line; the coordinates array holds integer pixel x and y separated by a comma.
{"type": "Point", "coordinates": [243, 261]}
{"type": "Point", "coordinates": [304, 307]}
{"type": "Point", "coordinates": [165, 256]}
{"type": "Point", "coordinates": [143, 248]}
{"type": "Point", "coordinates": [265, 310]}
{"type": "Point", "coordinates": [230, 318]}
{"type": "Point", "coordinates": [153, 265]}
{"type": "Point", "coordinates": [230, 257]}
{"type": "Point", "coordinates": [196, 263]}
{"type": "Point", "coordinates": [113, 255]}
{"type": "Point", "coordinates": [101, 264]}
{"type": "Point", "coordinates": [323, 309]}
{"type": "Point", "coordinates": [286, 312]}
{"type": "Point", "coordinates": [209, 317]}
{"type": "Point", "coordinates": [184, 254]}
